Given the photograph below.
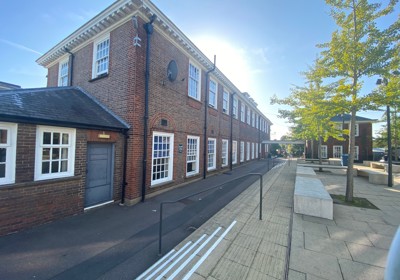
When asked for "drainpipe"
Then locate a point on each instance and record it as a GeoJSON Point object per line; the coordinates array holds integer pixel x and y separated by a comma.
{"type": "Point", "coordinates": [149, 31]}
{"type": "Point", "coordinates": [124, 183]}
{"type": "Point", "coordinates": [231, 159]}
{"type": "Point", "coordinates": [71, 64]}
{"type": "Point", "coordinates": [205, 122]}
{"type": "Point", "coordinates": [259, 138]}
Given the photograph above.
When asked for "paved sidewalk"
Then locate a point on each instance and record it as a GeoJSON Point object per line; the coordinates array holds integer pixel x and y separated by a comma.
{"type": "Point", "coordinates": [253, 249]}
{"type": "Point", "coordinates": [354, 245]}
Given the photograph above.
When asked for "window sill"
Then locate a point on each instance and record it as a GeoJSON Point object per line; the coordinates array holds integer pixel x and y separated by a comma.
{"type": "Point", "coordinates": [160, 184]}
{"type": "Point", "coordinates": [101, 76]}
{"type": "Point", "coordinates": [40, 183]}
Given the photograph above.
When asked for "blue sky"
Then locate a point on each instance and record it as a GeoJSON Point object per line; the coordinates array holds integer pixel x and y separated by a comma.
{"type": "Point", "coordinates": [261, 45]}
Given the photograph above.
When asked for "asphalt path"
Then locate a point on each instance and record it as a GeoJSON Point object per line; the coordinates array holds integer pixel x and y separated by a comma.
{"type": "Point", "coordinates": [117, 242]}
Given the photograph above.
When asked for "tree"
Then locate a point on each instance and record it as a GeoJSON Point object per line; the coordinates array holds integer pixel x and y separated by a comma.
{"type": "Point", "coordinates": [312, 110]}
{"type": "Point", "coordinates": [358, 49]}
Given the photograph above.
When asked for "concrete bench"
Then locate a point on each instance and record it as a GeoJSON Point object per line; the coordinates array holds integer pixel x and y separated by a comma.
{"type": "Point", "coordinates": [301, 170]}
{"type": "Point", "coordinates": [395, 168]}
{"type": "Point", "coordinates": [374, 176]}
{"type": "Point", "coordinates": [322, 166]}
{"type": "Point", "coordinates": [311, 198]}
{"type": "Point", "coordinates": [377, 165]}
{"type": "Point", "coordinates": [383, 165]}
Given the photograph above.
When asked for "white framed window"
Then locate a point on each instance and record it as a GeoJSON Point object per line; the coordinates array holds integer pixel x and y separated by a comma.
{"type": "Point", "coordinates": [212, 153]}
{"type": "Point", "coordinates": [253, 119]}
{"type": "Point", "coordinates": [241, 151]}
{"type": "Point", "coordinates": [357, 130]}
{"type": "Point", "coordinates": [266, 128]}
{"type": "Point", "coordinates": [224, 152]}
{"type": "Point", "coordinates": [339, 126]}
{"type": "Point", "coordinates": [162, 158]}
{"type": "Point", "coordinates": [194, 81]}
{"type": "Point", "coordinates": [192, 155]}
{"type": "Point", "coordinates": [101, 52]}
{"type": "Point", "coordinates": [213, 94]}
{"type": "Point", "coordinates": [8, 147]}
{"type": "Point", "coordinates": [324, 151]}
{"type": "Point", "coordinates": [248, 151]}
{"type": "Point", "coordinates": [225, 102]}
{"type": "Point", "coordinates": [63, 70]}
{"type": "Point", "coordinates": [356, 152]}
{"type": "Point", "coordinates": [234, 152]}
{"type": "Point", "coordinates": [257, 121]}
{"type": "Point", "coordinates": [55, 152]}
{"type": "Point", "coordinates": [242, 113]}
{"type": "Point", "coordinates": [337, 151]}
{"type": "Point", "coordinates": [252, 150]}
{"type": "Point", "coordinates": [235, 107]}
{"type": "Point", "coordinates": [248, 116]}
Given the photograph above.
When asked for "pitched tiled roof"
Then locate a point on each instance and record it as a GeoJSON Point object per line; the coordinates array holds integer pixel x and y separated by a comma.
{"type": "Point", "coordinates": [61, 106]}
{"type": "Point", "coordinates": [346, 118]}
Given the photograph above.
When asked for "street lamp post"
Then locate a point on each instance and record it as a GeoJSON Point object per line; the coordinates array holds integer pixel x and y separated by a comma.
{"type": "Point", "coordinates": [384, 82]}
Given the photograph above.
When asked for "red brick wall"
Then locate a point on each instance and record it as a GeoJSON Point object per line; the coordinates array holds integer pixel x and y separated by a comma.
{"type": "Point", "coordinates": [29, 203]}
{"type": "Point", "coordinates": [123, 91]}
{"type": "Point", "coordinates": [363, 141]}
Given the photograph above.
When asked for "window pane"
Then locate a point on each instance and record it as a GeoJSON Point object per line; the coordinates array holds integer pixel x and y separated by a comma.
{"type": "Point", "coordinates": [3, 152]}
{"type": "Point", "coordinates": [54, 166]}
{"type": "Point", "coordinates": [2, 170]}
{"type": "Point", "coordinates": [64, 166]}
{"type": "Point", "coordinates": [46, 154]}
{"type": "Point", "coordinates": [47, 138]}
{"type": "Point", "coordinates": [64, 153]}
{"type": "Point", "coordinates": [65, 139]}
{"type": "Point", "coordinates": [56, 153]}
{"type": "Point", "coordinates": [45, 167]}
{"type": "Point", "coordinates": [3, 136]}
{"type": "Point", "coordinates": [56, 138]}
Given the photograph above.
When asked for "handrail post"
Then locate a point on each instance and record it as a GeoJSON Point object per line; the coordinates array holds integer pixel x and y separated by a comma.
{"type": "Point", "coordinates": [160, 230]}
{"type": "Point", "coordinates": [261, 195]}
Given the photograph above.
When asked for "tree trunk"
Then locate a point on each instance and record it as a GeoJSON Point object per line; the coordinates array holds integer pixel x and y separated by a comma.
{"type": "Point", "coordinates": [350, 163]}
{"type": "Point", "coordinates": [320, 152]}
{"type": "Point", "coordinates": [312, 148]}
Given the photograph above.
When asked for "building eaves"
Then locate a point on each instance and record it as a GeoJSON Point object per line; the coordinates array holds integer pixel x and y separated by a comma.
{"type": "Point", "coordinates": [122, 10]}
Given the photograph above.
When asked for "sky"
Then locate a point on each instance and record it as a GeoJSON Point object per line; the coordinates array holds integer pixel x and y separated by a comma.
{"type": "Point", "coordinates": [262, 46]}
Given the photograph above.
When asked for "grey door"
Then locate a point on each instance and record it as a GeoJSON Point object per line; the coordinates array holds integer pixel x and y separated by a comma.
{"type": "Point", "coordinates": [99, 174]}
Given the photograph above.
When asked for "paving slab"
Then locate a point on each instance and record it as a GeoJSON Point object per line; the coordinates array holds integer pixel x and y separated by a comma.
{"type": "Point", "coordinates": [358, 271]}
{"type": "Point", "coordinates": [328, 246]}
{"type": "Point", "coordinates": [353, 236]}
{"type": "Point", "coordinates": [318, 264]}
{"type": "Point", "coordinates": [380, 241]}
{"type": "Point", "coordinates": [368, 255]}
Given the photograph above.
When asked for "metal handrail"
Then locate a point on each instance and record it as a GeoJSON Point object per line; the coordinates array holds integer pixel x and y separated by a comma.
{"type": "Point", "coordinates": [200, 192]}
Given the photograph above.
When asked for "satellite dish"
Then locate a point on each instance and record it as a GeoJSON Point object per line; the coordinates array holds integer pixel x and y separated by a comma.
{"type": "Point", "coordinates": [172, 70]}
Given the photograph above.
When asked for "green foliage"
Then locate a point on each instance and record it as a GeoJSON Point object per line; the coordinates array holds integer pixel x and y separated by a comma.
{"type": "Point", "coordinates": [358, 49]}
{"type": "Point", "coordinates": [312, 108]}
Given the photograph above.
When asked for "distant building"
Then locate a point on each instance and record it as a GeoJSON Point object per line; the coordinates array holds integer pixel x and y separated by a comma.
{"type": "Point", "coordinates": [334, 148]}
{"type": "Point", "coordinates": [7, 86]}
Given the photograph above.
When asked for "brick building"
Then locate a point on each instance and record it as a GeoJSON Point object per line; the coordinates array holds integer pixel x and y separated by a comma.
{"type": "Point", "coordinates": [51, 152]}
{"type": "Point", "coordinates": [186, 119]}
{"type": "Point", "coordinates": [334, 148]}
